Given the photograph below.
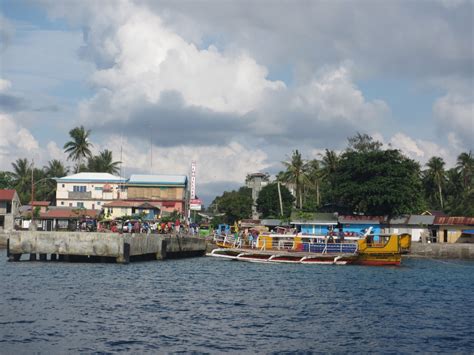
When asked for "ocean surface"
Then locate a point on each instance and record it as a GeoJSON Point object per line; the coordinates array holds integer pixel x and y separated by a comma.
{"type": "Point", "coordinates": [213, 306]}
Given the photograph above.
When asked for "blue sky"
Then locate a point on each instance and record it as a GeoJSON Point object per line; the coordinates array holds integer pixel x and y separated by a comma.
{"type": "Point", "coordinates": [236, 86]}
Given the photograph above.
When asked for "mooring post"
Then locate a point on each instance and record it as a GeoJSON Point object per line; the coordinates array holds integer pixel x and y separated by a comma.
{"type": "Point", "coordinates": [161, 254]}
{"type": "Point", "coordinates": [125, 258]}
{"type": "Point", "coordinates": [8, 248]}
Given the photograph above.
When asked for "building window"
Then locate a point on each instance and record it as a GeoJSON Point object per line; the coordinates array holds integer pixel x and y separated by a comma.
{"type": "Point", "coordinates": [79, 188]}
{"type": "Point", "coordinates": [98, 203]}
{"type": "Point", "coordinates": [62, 203]}
{"type": "Point", "coordinates": [63, 185]}
{"type": "Point", "coordinates": [70, 204]}
{"type": "Point", "coordinates": [80, 204]}
{"type": "Point", "coordinates": [98, 188]}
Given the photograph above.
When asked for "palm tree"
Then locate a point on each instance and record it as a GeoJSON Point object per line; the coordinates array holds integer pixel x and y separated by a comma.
{"type": "Point", "coordinates": [22, 178]}
{"type": "Point", "coordinates": [55, 168]}
{"type": "Point", "coordinates": [313, 174]}
{"type": "Point", "coordinates": [79, 147]}
{"type": "Point", "coordinates": [437, 174]}
{"type": "Point", "coordinates": [294, 173]}
{"type": "Point", "coordinates": [465, 167]}
{"type": "Point", "coordinates": [103, 163]}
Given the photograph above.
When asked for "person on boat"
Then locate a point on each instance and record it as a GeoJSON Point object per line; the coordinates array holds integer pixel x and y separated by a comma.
{"type": "Point", "coordinates": [341, 235]}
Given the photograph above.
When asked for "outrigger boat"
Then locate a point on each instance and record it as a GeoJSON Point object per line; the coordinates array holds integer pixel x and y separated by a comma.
{"type": "Point", "coordinates": [285, 248]}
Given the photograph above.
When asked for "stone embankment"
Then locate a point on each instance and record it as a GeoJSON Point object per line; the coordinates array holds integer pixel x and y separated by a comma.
{"type": "Point", "coordinates": [122, 248]}
{"type": "Point", "coordinates": [443, 250]}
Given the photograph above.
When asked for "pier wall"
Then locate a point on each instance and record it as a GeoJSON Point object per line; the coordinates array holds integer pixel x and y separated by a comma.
{"type": "Point", "coordinates": [3, 239]}
{"type": "Point", "coordinates": [443, 250]}
{"type": "Point", "coordinates": [111, 245]}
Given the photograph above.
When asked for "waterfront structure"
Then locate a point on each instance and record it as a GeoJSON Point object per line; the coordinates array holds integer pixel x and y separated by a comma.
{"type": "Point", "coordinates": [149, 209]}
{"type": "Point", "coordinates": [256, 182]}
{"type": "Point", "coordinates": [313, 223]}
{"type": "Point", "coordinates": [89, 190]}
{"type": "Point", "coordinates": [9, 209]}
{"type": "Point", "coordinates": [357, 225]}
{"type": "Point", "coordinates": [65, 218]}
{"type": "Point", "coordinates": [166, 192]}
{"type": "Point", "coordinates": [450, 229]}
{"type": "Point", "coordinates": [420, 227]}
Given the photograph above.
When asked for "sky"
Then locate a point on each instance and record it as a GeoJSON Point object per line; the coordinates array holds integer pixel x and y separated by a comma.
{"type": "Point", "coordinates": [236, 86]}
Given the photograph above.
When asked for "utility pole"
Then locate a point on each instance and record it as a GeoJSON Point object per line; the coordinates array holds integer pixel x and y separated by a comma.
{"type": "Point", "coordinates": [279, 197]}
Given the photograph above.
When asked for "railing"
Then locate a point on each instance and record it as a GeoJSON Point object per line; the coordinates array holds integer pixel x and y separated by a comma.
{"type": "Point", "coordinates": [75, 195]}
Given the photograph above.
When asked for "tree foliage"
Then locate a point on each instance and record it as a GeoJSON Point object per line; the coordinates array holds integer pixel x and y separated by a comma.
{"type": "Point", "coordinates": [103, 163]}
{"type": "Point", "coordinates": [78, 148]}
{"type": "Point", "coordinates": [378, 182]}
{"type": "Point", "coordinates": [268, 201]}
{"type": "Point", "coordinates": [236, 205]}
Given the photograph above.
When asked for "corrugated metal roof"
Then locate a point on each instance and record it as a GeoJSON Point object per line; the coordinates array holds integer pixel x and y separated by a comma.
{"type": "Point", "coordinates": [454, 221]}
{"type": "Point", "coordinates": [399, 220]}
{"type": "Point", "coordinates": [92, 177]}
{"type": "Point", "coordinates": [68, 213]}
{"type": "Point", "coordinates": [420, 219]}
{"type": "Point", "coordinates": [157, 179]}
{"type": "Point", "coordinates": [361, 219]}
{"type": "Point", "coordinates": [271, 222]}
{"type": "Point", "coordinates": [7, 195]}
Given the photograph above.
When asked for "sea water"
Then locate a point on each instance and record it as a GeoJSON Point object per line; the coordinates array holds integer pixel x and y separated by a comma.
{"type": "Point", "coordinates": [213, 306]}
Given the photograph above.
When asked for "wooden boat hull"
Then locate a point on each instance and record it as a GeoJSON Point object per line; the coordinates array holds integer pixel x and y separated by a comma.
{"type": "Point", "coordinates": [282, 257]}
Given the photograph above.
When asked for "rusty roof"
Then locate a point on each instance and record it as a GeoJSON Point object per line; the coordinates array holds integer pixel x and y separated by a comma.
{"type": "Point", "coordinates": [361, 219]}
{"type": "Point", "coordinates": [7, 195]}
{"type": "Point", "coordinates": [69, 213]}
{"type": "Point", "coordinates": [454, 220]}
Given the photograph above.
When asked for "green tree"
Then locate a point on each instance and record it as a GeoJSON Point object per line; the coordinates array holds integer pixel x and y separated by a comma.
{"type": "Point", "coordinates": [295, 174]}
{"type": "Point", "coordinates": [465, 167]}
{"type": "Point", "coordinates": [378, 182]}
{"type": "Point", "coordinates": [54, 169]}
{"type": "Point", "coordinates": [363, 143]}
{"type": "Point", "coordinates": [313, 173]}
{"type": "Point", "coordinates": [268, 201]}
{"type": "Point", "coordinates": [235, 205]}
{"type": "Point", "coordinates": [437, 176]}
{"type": "Point", "coordinates": [6, 180]}
{"type": "Point", "coordinates": [22, 179]}
{"type": "Point", "coordinates": [103, 163]}
{"type": "Point", "coordinates": [78, 148]}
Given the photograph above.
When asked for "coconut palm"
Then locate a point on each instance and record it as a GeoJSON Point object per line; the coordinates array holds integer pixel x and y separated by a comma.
{"type": "Point", "coordinates": [295, 173]}
{"type": "Point", "coordinates": [313, 175]}
{"type": "Point", "coordinates": [79, 147]}
{"type": "Point", "coordinates": [103, 163]}
{"type": "Point", "coordinates": [55, 168]}
{"type": "Point", "coordinates": [22, 178]}
{"type": "Point", "coordinates": [465, 167]}
{"type": "Point", "coordinates": [437, 175]}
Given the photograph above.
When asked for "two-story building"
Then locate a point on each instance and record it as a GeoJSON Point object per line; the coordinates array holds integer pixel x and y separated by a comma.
{"type": "Point", "coordinates": [154, 195]}
{"type": "Point", "coordinates": [89, 190]}
{"type": "Point", "coordinates": [9, 209]}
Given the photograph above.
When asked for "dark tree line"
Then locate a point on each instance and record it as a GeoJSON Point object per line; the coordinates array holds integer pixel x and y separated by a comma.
{"type": "Point", "coordinates": [366, 179]}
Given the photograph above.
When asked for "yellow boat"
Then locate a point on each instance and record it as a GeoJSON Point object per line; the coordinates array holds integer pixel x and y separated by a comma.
{"type": "Point", "coordinates": [371, 250]}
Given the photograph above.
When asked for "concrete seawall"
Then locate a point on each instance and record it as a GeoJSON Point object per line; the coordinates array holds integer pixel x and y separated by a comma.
{"type": "Point", "coordinates": [121, 247]}
{"type": "Point", "coordinates": [443, 250]}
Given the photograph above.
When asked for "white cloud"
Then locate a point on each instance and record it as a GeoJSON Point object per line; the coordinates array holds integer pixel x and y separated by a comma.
{"type": "Point", "coordinates": [4, 84]}
{"type": "Point", "coordinates": [230, 163]}
{"type": "Point", "coordinates": [149, 59]}
{"type": "Point", "coordinates": [422, 150]}
{"type": "Point", "coordinates": [454, 114]}
{"type": "Point", "coordinates": [333, 96]}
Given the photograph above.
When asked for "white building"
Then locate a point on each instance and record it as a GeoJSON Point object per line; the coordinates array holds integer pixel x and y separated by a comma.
{"type": "Point", "coordinates": [89, 190]}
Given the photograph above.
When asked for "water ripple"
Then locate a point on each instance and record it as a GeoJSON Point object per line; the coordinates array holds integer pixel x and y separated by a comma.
{"type": "Point", "coordinates": [206, 305]}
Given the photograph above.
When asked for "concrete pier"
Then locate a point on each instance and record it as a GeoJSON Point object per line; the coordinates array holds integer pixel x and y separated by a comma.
{"type": "Point", "coordinates": [81, 246]}
{"type": "Point", "coordinates": [443, 250]}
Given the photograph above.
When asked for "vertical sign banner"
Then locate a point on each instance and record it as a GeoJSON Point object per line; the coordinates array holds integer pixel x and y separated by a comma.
{"type": "Point", "coordinates": [193, 180]}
